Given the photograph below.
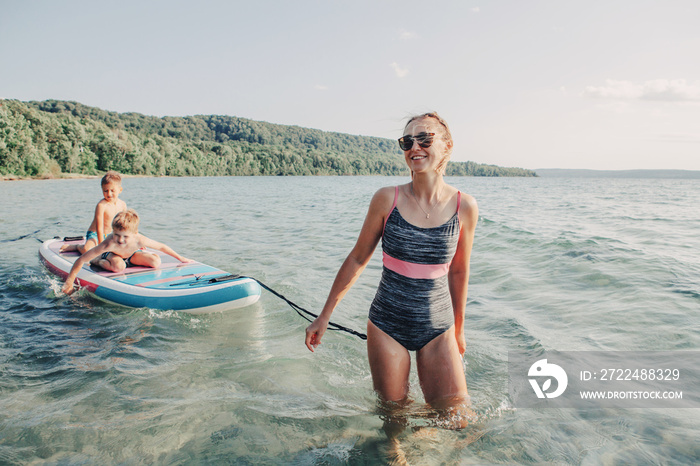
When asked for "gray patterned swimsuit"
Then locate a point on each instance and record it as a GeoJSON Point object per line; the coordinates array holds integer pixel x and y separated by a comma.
{"type": "Point", "coordinates": [413, 303]}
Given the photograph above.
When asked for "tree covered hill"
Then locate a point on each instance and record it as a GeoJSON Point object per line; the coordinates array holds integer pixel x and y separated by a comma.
{"type": "Point", "coordinates": [51, 138]}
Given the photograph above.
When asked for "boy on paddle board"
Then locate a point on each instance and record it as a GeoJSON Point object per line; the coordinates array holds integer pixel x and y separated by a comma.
{"type": "Point", "coordinates": [105, 211]}
{"type": "Point", "coordinates": [124, 247]}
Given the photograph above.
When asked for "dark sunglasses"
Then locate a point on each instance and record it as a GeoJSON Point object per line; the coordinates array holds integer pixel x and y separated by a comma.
{"type": "Point", "coordinates": [424, 140]}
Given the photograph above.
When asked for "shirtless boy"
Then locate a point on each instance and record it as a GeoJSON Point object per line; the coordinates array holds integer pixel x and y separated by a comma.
{"type": "Point", "coordinates": [105, 211]}
{"type": "Point", "coordinates": [124, 247]}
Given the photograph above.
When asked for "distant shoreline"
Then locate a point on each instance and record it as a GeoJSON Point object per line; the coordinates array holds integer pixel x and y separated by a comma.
{"type": "Point", "coordinates": [63, 176]}
{"type": "Point", "coordinates": [67, 176]}
{"type": "Point", "coordinates": [55, 137]}
{"type": "Point", "coordinates": [541, 172]}
{"type": "Point", "coordinates": [585, 173]}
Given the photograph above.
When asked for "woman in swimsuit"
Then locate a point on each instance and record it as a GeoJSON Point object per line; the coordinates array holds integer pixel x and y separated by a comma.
{"type": "Point", "coordinates": [427, 230]}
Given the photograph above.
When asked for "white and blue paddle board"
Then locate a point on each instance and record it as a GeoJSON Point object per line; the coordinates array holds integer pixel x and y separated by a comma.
{"type": "Point", "coordinates": [191, 287]}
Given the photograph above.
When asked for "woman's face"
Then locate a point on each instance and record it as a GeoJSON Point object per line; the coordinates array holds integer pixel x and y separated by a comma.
{"type": "Point", "coordinates": [422, 159]}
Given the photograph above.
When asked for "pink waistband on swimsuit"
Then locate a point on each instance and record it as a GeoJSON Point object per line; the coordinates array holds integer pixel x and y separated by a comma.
{"type": "Point", "coordinates": [411, 270]}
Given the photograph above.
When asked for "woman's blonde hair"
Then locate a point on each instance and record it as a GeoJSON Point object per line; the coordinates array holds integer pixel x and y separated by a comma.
{"type": "Point", "coordinates": [446, 136]}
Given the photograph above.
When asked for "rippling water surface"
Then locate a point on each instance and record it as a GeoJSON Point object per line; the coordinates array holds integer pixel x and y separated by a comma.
{"type": "Point", "coordinates": [558, 264]}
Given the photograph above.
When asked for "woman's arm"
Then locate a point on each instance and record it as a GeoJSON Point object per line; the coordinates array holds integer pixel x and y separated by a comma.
{"type": "Point", "coordinates": [354, 264]}
{"type": "Point", "coordinates": [458, 276]}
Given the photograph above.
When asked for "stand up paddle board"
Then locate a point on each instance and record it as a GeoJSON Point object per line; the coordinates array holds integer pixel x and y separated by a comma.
{"type": "Point", "coordinates": [191, 287]}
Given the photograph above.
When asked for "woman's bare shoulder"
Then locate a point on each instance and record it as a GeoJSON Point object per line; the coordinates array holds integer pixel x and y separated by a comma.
{"type": "Point", "coordinates": [382, 201]}
{"type": "Point", "coordinates": [468, 208]}
{"type": "Point", "coordinates": [384, 195]}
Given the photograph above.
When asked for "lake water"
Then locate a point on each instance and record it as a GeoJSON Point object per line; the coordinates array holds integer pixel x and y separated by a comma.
{"type": "Point", "coordinates": [558, 264]}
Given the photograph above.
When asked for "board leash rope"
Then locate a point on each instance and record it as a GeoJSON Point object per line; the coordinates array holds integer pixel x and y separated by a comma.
{"type": "Point", "coordinates": [301, 311]}
{"type": "Point", "coordinates": [29, 234]}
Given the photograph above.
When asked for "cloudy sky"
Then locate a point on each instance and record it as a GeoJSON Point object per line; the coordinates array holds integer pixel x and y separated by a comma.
{"type": "Point", "coordinates": [593, 84]}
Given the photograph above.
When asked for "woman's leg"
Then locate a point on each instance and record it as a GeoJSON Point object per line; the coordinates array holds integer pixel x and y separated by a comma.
{"type": "Point", "coordinates": [390, 364]}
{"type": "Point", "coordinates": [441, 376]}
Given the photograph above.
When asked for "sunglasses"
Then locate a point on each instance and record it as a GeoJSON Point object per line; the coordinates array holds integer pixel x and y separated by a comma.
{"type": "Point", "coordinates": [424, 140]}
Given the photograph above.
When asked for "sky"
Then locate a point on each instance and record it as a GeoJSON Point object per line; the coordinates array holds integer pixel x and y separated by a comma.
{"type": "Point", "coordinates": [592, 84]}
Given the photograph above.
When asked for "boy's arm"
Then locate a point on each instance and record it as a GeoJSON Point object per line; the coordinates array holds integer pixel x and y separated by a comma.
{"type": "Point", "coordinates": [163, 248]}
{"type": "Point", "coordinates": [99, 221]}
{"type": "Point", "coordinates": [78, 264]}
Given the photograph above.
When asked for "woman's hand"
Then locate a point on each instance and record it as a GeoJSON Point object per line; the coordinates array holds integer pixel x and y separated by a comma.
{"type": "Point", "coordinates": [314, 332]}
{"type": "Point", "coordinates": [461, 343]}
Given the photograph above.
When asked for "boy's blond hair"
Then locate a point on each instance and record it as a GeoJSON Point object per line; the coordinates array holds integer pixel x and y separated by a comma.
{"type": "Point", "coordinates": [126, 221]}
{"type": "Point", "coordinates": [111, 177]}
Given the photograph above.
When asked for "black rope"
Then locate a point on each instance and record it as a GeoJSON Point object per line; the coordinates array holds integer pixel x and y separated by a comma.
{"type": "Point", "coordinates": [301, 311]}
{"type": "Point", "coordinates": [29, 234]}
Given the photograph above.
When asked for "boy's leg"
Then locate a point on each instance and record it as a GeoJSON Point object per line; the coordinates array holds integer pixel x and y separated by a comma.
{"type": "Point", "coordinates": [81, 248]}
{"type": "Point", "coordinates": [145, 259]}
{"type": "Point", "coordinates": [109, 261]}
{"type": "Point", "coordinates": [69, 247]}
{"type": "Point", "coordinates": [89, 244]}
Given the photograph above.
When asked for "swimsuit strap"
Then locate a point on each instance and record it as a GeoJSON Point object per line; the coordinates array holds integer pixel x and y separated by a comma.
{"type": "Point", "coordinates": [396, 198]}
{"type": "Point", "coordinates": [459, 203]}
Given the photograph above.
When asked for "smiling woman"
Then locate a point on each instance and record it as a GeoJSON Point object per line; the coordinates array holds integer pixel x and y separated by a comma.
{"type": "Point", "coordinates": [427, 230]}
{"type": "Point", "coordinates": [425, 140]}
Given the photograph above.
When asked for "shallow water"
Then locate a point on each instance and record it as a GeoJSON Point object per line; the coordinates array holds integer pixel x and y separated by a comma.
{"type": "Point", "coordinates": [558, 264]}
